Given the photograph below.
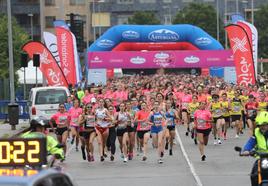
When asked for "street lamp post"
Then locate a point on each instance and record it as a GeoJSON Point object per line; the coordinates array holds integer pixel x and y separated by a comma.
{"type": "Point", "coordinates": [31, 22]}
{"type": "Point", "coordinates": [252, 12]}
{"type": "Point", "coordinates": [218, 24]}
{"type": "Point", "coordinates": [93, 20]}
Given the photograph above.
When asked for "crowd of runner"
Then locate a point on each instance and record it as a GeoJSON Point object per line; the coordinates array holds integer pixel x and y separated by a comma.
{"type": "Point", "coordinates": [138, 108]}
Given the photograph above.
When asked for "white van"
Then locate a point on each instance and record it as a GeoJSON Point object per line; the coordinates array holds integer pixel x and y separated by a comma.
{"type": "Point", "coordinates": [44, 101]}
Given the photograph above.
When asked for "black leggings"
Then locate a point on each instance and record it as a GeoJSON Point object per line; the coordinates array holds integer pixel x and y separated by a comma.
{"type": "Point", "coordinates": [111, 139]}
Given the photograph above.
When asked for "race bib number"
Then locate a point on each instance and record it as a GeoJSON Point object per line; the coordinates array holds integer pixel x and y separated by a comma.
{"type": "Point", "coordinates": [143, 125]}
{"type": "Point", "coordinates": [62, 120]}
{"type": "Point", "coordinates": [169, 121]}
{"type": "Point", "coordinates": [75, 120]}
{"type": "Point", "coordinates": [218, 112]}
{"type": "Point", "coordinates": [201, 123]}
{"type": "Point", "coordinates": [236, 108]}
{"type": "Point", "coordinates": [90, 122]}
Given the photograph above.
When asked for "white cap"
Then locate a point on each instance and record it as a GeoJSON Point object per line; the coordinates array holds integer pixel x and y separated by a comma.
{"type": "Point", "coordinates": [93, 100]}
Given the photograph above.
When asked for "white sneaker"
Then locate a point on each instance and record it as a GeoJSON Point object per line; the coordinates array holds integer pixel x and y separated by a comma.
{"type": "Point", "coordinates": [125, 160]}
{"type": "Point", "coordinates": [122, 156]}
{"type": "Point", "coordinates": [236, 136]}
{"type": "Point", "coordinates": [160, 161]}
{"type": "Point", "coordinates": [219, 141]}
{"type": "Point", "coordinates": [215, 142]}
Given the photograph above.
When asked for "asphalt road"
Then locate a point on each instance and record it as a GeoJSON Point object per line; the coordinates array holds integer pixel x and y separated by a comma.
{"type": "Point", "coordinates": [223, 166]}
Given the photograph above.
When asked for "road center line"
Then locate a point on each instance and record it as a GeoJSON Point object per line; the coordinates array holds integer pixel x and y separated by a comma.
{"type": "Point", "coordinates": [196, 177]}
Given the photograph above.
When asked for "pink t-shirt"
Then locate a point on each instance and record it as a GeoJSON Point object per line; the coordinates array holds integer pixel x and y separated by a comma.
{"type": "Point", "coordinates": [185, 100]}
{"type": "Point", "coordinates": [74, 115]}
{"type": "Point", "coordinates": [201, 119]}
{"type": "Point", "coordinates": [87, 99]}
{"type": "Point", "coordinates": [61, 118]}
{"type": "Point", "coordinates": [119, 96]}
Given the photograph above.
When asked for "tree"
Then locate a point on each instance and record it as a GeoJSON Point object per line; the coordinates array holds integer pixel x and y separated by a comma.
{"type": "Point", "coordinates": [143, 18]}
{"type": "Point", "coordinates": [262, 27]}
{"type": "Point", "coordinates": [20, 37]}
{"type": "Point", "coordinates": [201, 15]}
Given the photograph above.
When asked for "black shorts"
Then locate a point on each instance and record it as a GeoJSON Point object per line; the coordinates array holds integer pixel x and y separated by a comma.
{"type": "Point", "coordinates": [236, 117]}
{"type": "Point", "coordinates": [140, 134]}
{"type": "Point", "coordinates": [120, 132]}
{"type": "Point", "coordinates": [131, 129]}
{"type": "Point", "coordinates": [205, 132]}
{"type": "Point", "coordinates": [60, 131]}
{"type": "Point", "coordinates": [170, 128]}
{"type": "Point", "coordinates": [226, 119]}
{"type": "Point", "coordinates": [251, 118]}
{"type": "Point", "coordinates": [87, 133]}
{"type": "Point", "coordinates": [215, 119]}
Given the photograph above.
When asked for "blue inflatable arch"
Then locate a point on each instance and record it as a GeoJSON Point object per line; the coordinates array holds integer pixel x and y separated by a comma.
{"type": "Point", "coordinates": [155, 33]}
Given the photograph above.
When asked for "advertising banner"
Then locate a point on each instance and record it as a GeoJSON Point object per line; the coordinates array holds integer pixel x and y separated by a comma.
{"type": "Point", "coordinates": [48, 64]}
{"type": "Point", "coordinates": [51, 43]}
{"type": "Point", "coordinates": [253, 37]}
{"type": "Point", "coordinates": [241, 47]}
{"type": "Point", "coordinates": [160, 59]}
{"type": "Point", "coordinates": [66, 53]}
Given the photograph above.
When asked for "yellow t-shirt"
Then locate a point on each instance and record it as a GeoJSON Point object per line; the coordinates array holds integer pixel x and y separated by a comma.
{"type": "Point", "coordinates": [236, 107]}
{"type": "Point", "coordinates": [262, 106]}
{"type": "Point", "coordinates": [216, 109]}
{"type": "Point", "coordinates": [192, 107]}
{"type": "Point", "coordinates": [225, 108]}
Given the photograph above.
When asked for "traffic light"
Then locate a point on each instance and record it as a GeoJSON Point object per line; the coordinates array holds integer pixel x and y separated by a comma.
{"type": "Point", "coordinates": [77, 28]}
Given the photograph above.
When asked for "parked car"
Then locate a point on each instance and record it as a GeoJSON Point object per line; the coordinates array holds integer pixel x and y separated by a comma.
{"type": "Point", "coordinates": [44, 101]}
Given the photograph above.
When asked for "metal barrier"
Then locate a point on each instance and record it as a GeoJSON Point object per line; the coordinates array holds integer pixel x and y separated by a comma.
{"type": "Point", "coordinates": [23, 109]}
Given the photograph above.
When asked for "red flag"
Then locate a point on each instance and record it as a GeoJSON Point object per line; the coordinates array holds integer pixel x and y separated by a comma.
{"type": "Point", "coordinates": [66, 53]}
{"type": "Point", "coordinates": [48, 64]}
{"type": "Point", "coordinates": [242, 51]}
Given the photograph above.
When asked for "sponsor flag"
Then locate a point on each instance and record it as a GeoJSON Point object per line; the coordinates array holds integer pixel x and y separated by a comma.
{"type": "Point", "coordinates": [51, 43]}
{"type": "Point", "coordinates": [253, 36]}
{"type": "Point", "coordinates": [48, 64]}
{"type": "Point", "coordinates": [240, 45]}
{"type": "Point", "coordinates": [78, 70]}
{"type": "Point", "coordinates": [66, 52]}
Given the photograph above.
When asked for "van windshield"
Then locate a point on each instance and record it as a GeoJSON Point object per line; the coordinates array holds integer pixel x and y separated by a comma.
{"type": "Point", "coordinates": [51, 96]}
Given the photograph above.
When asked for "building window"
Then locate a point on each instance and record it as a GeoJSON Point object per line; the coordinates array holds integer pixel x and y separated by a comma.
{"type": "Point", "coordinates": [122, 19]}
{"type": "Point", "coordinates": [49, 21]}
{"type": "Point", "coordinates": [124, 1]}
{"type": "Point", "coordinates": [167, 1]}
{"type": "Point", "coordinates": [49, 2]}
{"type": "Point", "coordinates": [77, 2]}
{"type": "Point", "coordinates": [147, 1]}
{"type": "Point", "coordinates": [187, 1]}
{"type": "Point", "coordinates": [167, 19]}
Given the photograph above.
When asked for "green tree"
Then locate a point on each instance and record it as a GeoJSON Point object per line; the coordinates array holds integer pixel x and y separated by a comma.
{"type": "Point", "coordinates": [20, 37]}
{"type": "Point", "coordinates": [201, 15]}
{"type": "Point", "coordinates": [143, 18]}
{"type": "Point", "coordinates": [262, 27]}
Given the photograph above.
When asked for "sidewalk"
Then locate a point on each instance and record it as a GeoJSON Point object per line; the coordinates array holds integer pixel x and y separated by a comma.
{"type": "Point", "coordinates": [6, 132]}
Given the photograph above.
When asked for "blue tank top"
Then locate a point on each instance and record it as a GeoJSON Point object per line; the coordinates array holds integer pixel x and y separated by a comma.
{"type": "Point", "coordinates": [170, 116]}
{"type": "Point", "coordinates": [157, 118]}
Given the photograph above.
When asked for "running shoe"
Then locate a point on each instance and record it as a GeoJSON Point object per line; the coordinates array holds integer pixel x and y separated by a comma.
{"type": "Point", "coordinates": [225, 138]}
{"type": "Point", "coordinates": [101, 158]}
{"type": "Point", "coordinates": [92, 158]}
{"type": "Point", "coordinates": [130, 156]}
{"type": "Point", "coordinates": [122, 156]}
{"type": "Point", "coordinates": [88, 158]}
{"type": "Point", "coordinates": [195, 141]}
{"type": "Point", "coordinates": [215, 142]}
{"type": "Point", "coordinates": [125, 160]}
{"type": "Point", "coordinates": [83, 153]}
{"type": "Point", "coordinates": [112, 158]}
{"type": "Point", "coordinates": [160, 161]}
{"type": "Point", "coordinates": [219, 141]}
{"type": "Point", "coordinates": [76, 148]}
{"type": "Point", "coordinates": [72, 142]}
{"type": "Point", "coordinates": [203, 158]}
{"type": "Point", "coordinates": [186, 133]}
{"type": "Point", "coordinates": [166, 146]}
{"type": "Point", "coordinates": [236, 136]}
{"type": "Point", "coordinates": [104, 155]}
{"type": "Point", "coordinates": [144, 158]}
{"type": "Point", "coordinates": [162, 154]}
{"type": "Point", "coordinates": [241, 132]}
{"type": "Point", "coordinates": [170, 152]}
{"type": "Point", "coordinates": [192, 133]}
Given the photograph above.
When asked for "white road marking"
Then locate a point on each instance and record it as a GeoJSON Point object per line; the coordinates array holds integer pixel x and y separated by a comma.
{"type": "Point", "coordinates": [196, 177]}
